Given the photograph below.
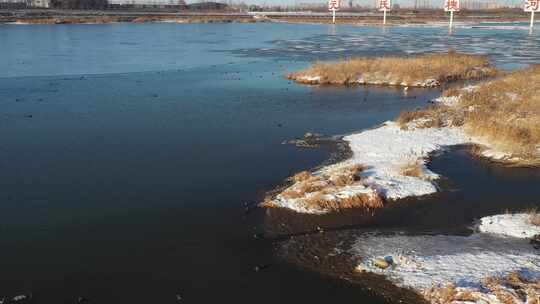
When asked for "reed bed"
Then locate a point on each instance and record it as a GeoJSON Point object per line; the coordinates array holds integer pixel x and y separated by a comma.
{"type": "Point", "coordinates": [423, 71]}
{"type": "Point", "coordinates": [504, 112]}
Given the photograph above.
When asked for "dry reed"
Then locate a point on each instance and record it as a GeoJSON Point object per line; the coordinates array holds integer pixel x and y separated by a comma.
{"type": "Point", "coordinates": [505, 112]}
{"type": "Point", "coordinates": [534, 216]}
{"type": "Point", "coordinates": [412, 170]}
{"type": "Point", "coordinates": [510, 289]}
{"type": "Point", "coordinates": [425, 70]}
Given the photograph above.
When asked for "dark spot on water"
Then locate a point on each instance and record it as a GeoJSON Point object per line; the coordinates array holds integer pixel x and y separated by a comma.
{"type": "Point", "coordinates": [82, 300]}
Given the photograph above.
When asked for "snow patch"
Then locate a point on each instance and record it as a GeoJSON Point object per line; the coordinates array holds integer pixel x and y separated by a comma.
{"type": "Point", "coordinates": [514, 225]}
{"type": "Point", "coordinates": [447, 101]}
{"type": "Point", "coordinates": [370, 79]}
{"type": "Point", "coordinates": [312, 79]}
{"type": "Point", "coordinates": [424, 262]}
{"type": "Point", "coordinates": [387, 149]}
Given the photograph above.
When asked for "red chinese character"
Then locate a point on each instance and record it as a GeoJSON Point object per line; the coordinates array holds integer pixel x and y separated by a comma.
{"type": "Point", "coordinates": [333, 5]}
{"type": "Point", "coordinates": [452, 5]}
{"type": "Point", "coordinates": [531, 5]}
{"type": "Point", "coordinates": [384, 4]}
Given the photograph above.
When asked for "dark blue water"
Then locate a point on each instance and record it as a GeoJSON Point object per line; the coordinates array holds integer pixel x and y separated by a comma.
{"type": "Point", "coordinates": [128, 151]}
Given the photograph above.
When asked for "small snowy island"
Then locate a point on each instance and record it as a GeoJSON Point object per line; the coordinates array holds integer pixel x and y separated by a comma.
{"type": "Point", "coordinates": [430, 70]}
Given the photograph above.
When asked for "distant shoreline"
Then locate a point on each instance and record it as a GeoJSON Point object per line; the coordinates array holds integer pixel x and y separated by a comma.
{"type": "Point", "coordinates": [368, 18]}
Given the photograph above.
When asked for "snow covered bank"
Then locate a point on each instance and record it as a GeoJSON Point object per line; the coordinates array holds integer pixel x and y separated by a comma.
{"type": "Point", "coordinates": [370, 79]}
{"type": "Point", "coordinates": [475, 267]}
{"type": "Point", "coordinates": [394, 166]}
{"type": "Point", "coordinates": [385, 155]}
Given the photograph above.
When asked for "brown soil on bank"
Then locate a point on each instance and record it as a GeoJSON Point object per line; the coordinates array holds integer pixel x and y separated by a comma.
{"type": "Point", "coordinates": [194, 19]}
{"type": "Point", "coordinates": [422, 71]}
{"type": "Point", "coordinates": [141, 19]}
{"type": "Point", "coordinates": [82, 20]}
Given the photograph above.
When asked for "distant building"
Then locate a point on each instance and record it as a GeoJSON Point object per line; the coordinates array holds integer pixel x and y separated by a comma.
{"type": "Point", "coordinates": [40, 3]}
{"type": "Point", "coordinates": [148, 3]}
{"type": "Point", "coordinates": [11, 4]}
{"type": "Point", "coordinates": [25, 3]}
{"type": "Point", "coordinates": [207, 6]}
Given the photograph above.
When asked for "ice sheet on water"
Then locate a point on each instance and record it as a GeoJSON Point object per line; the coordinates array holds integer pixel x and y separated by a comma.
{"type": "Point", "coordinates": [506, 46]}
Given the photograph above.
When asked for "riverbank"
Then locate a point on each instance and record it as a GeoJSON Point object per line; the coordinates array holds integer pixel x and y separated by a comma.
{"type": "Point", "coordinates": [129, 18]}
{"type": "Point", "coordinates": [365, 18]}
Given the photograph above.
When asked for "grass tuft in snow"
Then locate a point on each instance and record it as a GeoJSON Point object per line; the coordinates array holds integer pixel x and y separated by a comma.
{"type": "Point", "coordinates": [327, 190]}
{"type": "Point", "coordinates": [414, 169]}
{"type": "Point", "coordinates": [510, 289]}
{"type": "Point", "coordinates": [534, 217]}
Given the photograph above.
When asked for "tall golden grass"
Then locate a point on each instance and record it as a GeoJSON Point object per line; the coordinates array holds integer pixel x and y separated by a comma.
{"type": "Point", "coordinates": [505, 112]}
{"type": "Point", "coordinates": [534, 216]}
{"type": "Point", "coordinates": [410, 71]}
{"type": "Point", "coordinates": [359, 200]}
